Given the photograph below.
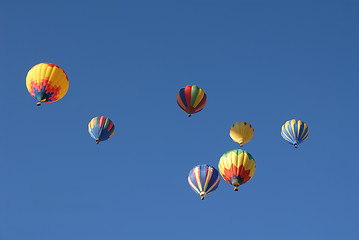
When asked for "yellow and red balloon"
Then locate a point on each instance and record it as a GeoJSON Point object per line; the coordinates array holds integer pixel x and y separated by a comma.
{"type": "Point", "coordinates": [237, 167]}
{"type": "Point", "coordinates": [47, 82]}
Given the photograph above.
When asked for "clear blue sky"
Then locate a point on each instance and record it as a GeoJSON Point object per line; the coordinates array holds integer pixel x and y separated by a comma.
{"type": "Point", "coordinates": [264, 62]}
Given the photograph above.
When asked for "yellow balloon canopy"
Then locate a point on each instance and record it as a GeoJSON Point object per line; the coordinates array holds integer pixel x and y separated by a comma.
{"type": "Point", "coordinates": [241, 132]}
{"type": "Point", "coordinates": [47, 82]}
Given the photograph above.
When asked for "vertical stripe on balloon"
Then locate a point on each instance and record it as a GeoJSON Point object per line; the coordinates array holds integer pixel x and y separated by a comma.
{"type": "Point", "coordinates": [187, 91]}
{"type": "Point", "coordinates": [199, 97]}
{"type": "Point", "coordinates": [197, 177]}
{"type": "Point", "coordinates": [209, 172]}
{"type": "Point", "coordinates": [194, 93]}
{"type": "Point", "coordinates": [183, 97]}
{"type": "Point", "coordinates": [192, 185]}
{"type": "Point", "coordinates": [214, 185]}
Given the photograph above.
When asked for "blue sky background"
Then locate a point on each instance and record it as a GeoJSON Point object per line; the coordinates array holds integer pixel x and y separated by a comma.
{"type": "Point", "coordinates": [264, 62]}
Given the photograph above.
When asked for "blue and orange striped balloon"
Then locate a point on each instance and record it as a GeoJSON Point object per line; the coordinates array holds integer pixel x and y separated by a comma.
{"type": "Point", "coordinates": [191, 99]}
{"type": "Point", "coordinates": [101, 128]}
{"type": "Point", "coordinates": [295, 132]}
{"type": "Point", "coordinates": [203, 179]}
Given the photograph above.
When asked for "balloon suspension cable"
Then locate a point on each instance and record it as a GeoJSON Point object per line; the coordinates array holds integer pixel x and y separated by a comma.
{"type": "Point", "coordinates": [38, 103]}
{"type": "Point", "coordinates": [236, 188]}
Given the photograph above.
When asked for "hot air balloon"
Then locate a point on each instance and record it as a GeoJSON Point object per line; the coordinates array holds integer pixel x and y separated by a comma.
{"type": "Point", "coordinates": [295, 132]}
{"type": "Point", "coordinates": [191, 99]}
{"type": "Point", "coordinates": [101, 128]}
{"type": "Point", "coordinates": [203, 179]}
{"type": "Point", "coordinates": [241, 132]}
{"type": "Point", "coordinates": [237, 167]}
{"type": "Point", "coordinates": [47, 82]}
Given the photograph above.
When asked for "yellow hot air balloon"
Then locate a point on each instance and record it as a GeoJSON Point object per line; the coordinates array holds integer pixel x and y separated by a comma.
{"type": "Point", "coordinates": [241, 132]}
{"type": "Point", "coordinates": [47, 82]}
{"type": "Point", "coordinates": [237, 167]}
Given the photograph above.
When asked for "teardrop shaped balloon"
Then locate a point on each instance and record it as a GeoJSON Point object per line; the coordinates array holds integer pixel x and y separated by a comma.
{"type": "Point", "coordinates": [237, 167]}
{"type": "Point", "coordinates": [101, 128]}
{"type": "Point", "coordinates": [47, 82]}
{"type": "Point", "coordinates": [241, 132]}
{"type": "Point", "coordinates": [191, 99]}
{"type": "Point", "coordinates": [295, 132]}
{"type": "Point", "coordinates": [203, 179]}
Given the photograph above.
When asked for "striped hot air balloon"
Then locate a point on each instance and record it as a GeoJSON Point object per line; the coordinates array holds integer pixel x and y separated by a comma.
{"type": "Point", "coordinates": [237, 167]}
{"type": "Point", "coordinates": [47, 82]}
{"type": "Point", "coordinates": [241, 132]}
{"type": "Point", "coordinates": [191, 99]}
{"type": "Point", "coordinates": [295, 132]}
{"type": "Point", "coordinates": [101, 128]}
{"type": "Point", "coordinates": [203, 179]}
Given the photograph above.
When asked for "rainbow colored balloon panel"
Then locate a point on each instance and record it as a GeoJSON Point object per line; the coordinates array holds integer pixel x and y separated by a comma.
{"type": "Point", "coordinates": [47, 82]}
{"type": "Point", "coordinates": [203, 179]}
{"type": "Point", "coordinates": [191, 99]}
{"type": "Point", "coordinates": [101, 128]}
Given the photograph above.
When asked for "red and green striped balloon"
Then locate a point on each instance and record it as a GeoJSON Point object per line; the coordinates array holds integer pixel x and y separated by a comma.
{"type": "Point", "coordinates": [191, 99]}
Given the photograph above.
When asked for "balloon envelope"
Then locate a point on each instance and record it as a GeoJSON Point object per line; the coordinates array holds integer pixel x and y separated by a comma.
{"type": "Point", "coordinates": [191, 99]}
{"type": "Point", "coordinates": [295, 132]}
{"type": "Point", "coordinates": [241, 132]}
{"type": "Point", "coordinates": [101, 128]}
{"type": "Point", "coordinates": [203, 179]}
{"type": "Point", "coordinates": [47, 82]}
{"type": "Point", "coordinates": [237, 167]}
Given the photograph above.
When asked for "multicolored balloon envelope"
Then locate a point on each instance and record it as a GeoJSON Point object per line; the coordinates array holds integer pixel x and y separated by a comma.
{"type": "Point", "coordinates": [203, 179]}
{"type": "Point", "coordinates": [191, 99]}
{"type": "Point", "coordinates": [47, 82]}
{"type": "Point", "coordinates": [295, 132]}
{"type": "Point", "coordinates": [101, 128]}
{"type": "Point", "coordinates": [241, 132]}
{"type": "Point", "coordinates": [237, 167]}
